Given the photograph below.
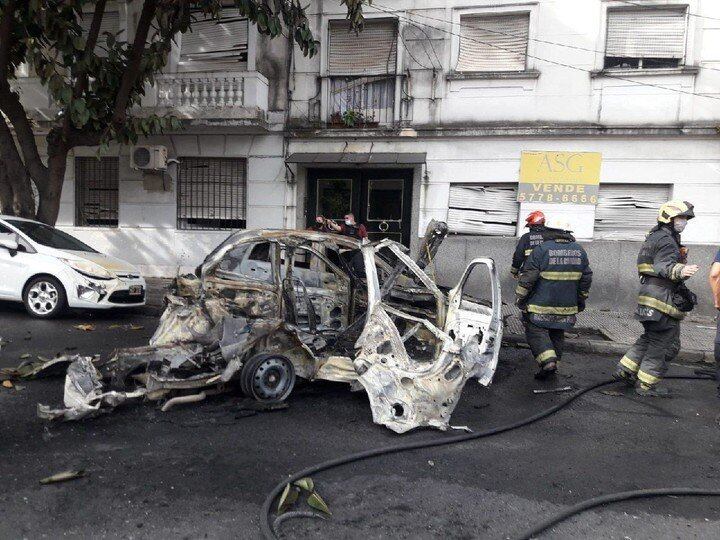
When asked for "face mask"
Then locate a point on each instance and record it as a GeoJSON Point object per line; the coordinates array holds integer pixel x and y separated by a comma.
{"type": "Point", "coordinates": [679, 224]}
{"type": "Point", "coordinates": [348, 222]}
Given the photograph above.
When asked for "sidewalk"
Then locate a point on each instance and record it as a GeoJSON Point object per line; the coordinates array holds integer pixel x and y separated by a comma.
{"type": "Point", "coordinates": [609, 332]}
{"type": "Point", "coordinates": [601, 332]}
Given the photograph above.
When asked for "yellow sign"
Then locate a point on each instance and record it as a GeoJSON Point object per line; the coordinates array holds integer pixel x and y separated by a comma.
{"type": "Point", "coordinates": [559, 177]}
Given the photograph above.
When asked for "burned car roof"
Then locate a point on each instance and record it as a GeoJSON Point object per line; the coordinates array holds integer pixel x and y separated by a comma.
{"type": "Point", "coordinates": [268, 306]}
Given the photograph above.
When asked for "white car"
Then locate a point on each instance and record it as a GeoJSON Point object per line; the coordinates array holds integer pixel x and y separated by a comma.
{"type": "Point", "coordinates": [49, 270]}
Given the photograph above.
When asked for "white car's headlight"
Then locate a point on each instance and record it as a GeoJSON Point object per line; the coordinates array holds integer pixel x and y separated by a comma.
{"type": "Point", "coordinates": [89, 269]}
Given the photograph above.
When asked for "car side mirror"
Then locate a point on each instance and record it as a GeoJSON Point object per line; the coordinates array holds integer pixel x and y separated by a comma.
{"type": "Point", "coordinates": [9, 243]}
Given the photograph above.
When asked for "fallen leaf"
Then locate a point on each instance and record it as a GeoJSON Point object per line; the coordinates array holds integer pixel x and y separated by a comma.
{"type": "Point", "coordinates": [316, 502]}
{"type": "Point", "coordinates": [85, 327]}
{"type": "Point", "coordinates": [114, 326]}
{"type": "Point", "coordinates": [136, 327]}
{"type": "Point", "coordinates": [63, 477]}
{"type": "Point", "coordinates": [288, 498]}
{"type": "Point", "coordinates": [24, 356]}
{"type": "Point", "coordinates": [7, 384]}
{"type": "Point", "coordinates": [306, 483]}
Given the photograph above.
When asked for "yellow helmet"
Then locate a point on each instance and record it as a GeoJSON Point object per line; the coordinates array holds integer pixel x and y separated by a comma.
{"type": "Point", "coordinates": [675, 208]}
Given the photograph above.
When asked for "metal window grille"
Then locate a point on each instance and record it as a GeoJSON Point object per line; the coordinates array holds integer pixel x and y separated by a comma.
{"type": "Point", "coordinates": [490, 209]}
{"type": "Point", "coordinates": [642, 37]}
{"type": "Point", "coordinates": [371, 97]}
{"type": "Point", "coordinates": [628, 211]}
{"type": "Point", "coordinates": [494, 42]}
{"type": "Point", "coordinates": [96, 191]}
{"type": "Point", "coordinates": [212, 193]}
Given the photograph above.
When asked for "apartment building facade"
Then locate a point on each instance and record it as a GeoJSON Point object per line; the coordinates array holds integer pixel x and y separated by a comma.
{"type": "Point", "coordinates": [423, 115]}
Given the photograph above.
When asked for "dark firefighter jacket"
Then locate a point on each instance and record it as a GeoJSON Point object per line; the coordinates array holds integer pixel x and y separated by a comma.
{"type": "Point", "coordinates": [525, 245]}
{"type": "Point", "coordinates": [660, 264]}
{"type": "Point", "coordinates": [555, 282]}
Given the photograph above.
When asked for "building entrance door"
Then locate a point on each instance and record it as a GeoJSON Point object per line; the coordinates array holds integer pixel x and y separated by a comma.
{"type": "Point", "coordinates": [381, 199]}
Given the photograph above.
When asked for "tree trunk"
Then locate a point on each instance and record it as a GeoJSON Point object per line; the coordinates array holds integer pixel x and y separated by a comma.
{"type": "Point", "coordinates": [50, 194]}
{"type": "Point", "coordinates": [6, 193]}
{"type": "Point", "coordinates": [16, 177]}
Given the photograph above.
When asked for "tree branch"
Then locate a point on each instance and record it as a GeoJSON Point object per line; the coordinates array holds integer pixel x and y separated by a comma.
{"type": "Point", "coordinates": [6, 27]}
{"type": "Point", "coordinates": [82, 78]}
{"type": "Point", "coordinates": [13, 109]}
{"type": "Point", "coordinates": [130, 76]}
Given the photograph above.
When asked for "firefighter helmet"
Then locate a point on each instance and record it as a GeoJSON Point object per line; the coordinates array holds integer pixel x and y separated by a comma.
{"type": "Point", "coordinates": [558, 223]}
{"type": "Point", "coordinates": [535, 218]}
{"type": "Point", "coordinates": [675, 208]}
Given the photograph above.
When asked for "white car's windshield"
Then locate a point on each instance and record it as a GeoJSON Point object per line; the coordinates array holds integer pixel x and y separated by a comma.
{"type": "Point", "coordinates": [50, 236]}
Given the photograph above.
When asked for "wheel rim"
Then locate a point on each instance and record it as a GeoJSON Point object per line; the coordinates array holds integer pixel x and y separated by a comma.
{"type": "Point", "coordinates": [273, 379]}
{"type": "Point", "coordinates": [43, 297]}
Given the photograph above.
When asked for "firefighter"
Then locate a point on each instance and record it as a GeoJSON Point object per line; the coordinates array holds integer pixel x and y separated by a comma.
{"type": "Point", "coordinates": [552, 289]}
{"type": "Point", "coordinates": [536, 222]}
{"type": "Point", "coordinates": [663, 301]}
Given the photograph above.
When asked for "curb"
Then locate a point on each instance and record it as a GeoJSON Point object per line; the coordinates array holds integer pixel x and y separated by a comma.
{"type": "Point", "coordinates": [690, 356]}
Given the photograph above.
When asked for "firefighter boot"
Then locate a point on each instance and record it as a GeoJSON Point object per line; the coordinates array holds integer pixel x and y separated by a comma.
{"type": "Point", "coordinates": [625, 376]}
{"type": "Point", "coordinates": [547, 370]}
{"type": "Point", "coordinates": [646, 390]}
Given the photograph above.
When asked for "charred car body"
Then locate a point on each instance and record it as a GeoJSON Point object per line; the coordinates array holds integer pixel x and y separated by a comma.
{"type": "Point", "coordinates": [268, 306]}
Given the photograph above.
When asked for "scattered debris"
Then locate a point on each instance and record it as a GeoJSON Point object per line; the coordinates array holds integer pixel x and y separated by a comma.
{"type": "Point", "coordinates": [613, 393]}
{"type": "Point", "coordinates": [270, 306]}
{"type": "Point", "coordinates": [7, 384]}
{"type": "Point", "coordinates": [37, 369]}
{"type": "Point", "coordinates": [63, 477]}
{"type": "Point", "coordinates": [431, 463]}
{"type": "Point", "coordinates": [466, 429]}
{"type": "Point", "coordinates": [85, 327]}
{"type": "Point", "coordinates": [24, 356]}
{"type": "Point", "coordinates": [553, 390]}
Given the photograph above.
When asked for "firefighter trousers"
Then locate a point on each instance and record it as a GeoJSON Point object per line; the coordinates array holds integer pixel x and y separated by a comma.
{"type": "Point", "coordinates": [649, 356]}
{"type": "Point", "coordinates": [546, 344]}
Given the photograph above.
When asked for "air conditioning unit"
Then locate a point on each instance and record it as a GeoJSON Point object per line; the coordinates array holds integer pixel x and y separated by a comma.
{"type": "Point", "coordinates": [149, 158]}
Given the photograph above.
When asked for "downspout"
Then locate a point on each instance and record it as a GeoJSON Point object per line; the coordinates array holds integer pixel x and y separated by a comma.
{"type": "Point", "coordinates": [290, 195]}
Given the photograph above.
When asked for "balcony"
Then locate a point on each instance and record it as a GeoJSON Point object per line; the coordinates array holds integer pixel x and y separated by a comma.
{"type": "Point", "coordinates": [236, 98]}
{"type": "Point", "coordinates": [367, 101]}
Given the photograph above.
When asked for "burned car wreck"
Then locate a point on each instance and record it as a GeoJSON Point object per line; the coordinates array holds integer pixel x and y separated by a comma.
{"type": "Point", "coordinates": [268, 306]}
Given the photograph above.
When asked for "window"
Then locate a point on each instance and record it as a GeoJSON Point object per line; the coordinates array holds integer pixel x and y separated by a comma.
{"type": "Point", "coordinates": [493, 42]}
{"type": "Point", "coordinates": [628, 211]}
{"type": "Point", "coordinates": [96, 191]}
{"type": "Point", "coordinates": [645, 38]}
{"type": "Point", "coordinates": [362, 69]}
{"type": "Point", "coordinates": [247, 261]}
{"type": "Point", "coordinates": [211, 193]}
{"type": "Point", "coordinates": [216, 45]}
{"type": "Point", "coordinates": [110, 23]}
{"type": "Point", "coordinates": [490, 209]}
{"type": "Point", "coordinates": [50, 236]}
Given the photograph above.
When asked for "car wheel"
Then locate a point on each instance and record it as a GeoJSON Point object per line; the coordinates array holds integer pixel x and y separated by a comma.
{"type": "Point", "coordinates": [268, 377]}
{"type": "Point", "coordinates": [44, 297]}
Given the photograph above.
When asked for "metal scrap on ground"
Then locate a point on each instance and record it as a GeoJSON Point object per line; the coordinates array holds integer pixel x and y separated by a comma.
{"type": "Point", "coordinates": [266, 307]}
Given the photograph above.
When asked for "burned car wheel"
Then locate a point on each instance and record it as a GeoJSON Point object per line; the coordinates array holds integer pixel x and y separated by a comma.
{"type": "Point", "coordinates": [268, 377]}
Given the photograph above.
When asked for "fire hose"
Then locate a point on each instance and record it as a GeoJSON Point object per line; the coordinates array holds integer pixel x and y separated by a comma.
{"type": "Point", "coordinates": [267, 526]}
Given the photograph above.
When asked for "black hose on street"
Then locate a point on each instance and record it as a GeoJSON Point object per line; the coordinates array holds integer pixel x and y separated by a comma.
{"type": "Point", "coordinates": [266, 524]}
{"type": "Point", "coordinates": [612, 498]}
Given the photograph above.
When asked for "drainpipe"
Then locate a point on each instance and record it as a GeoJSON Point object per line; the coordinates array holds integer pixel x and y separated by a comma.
{"type": "Point", "coordinates": [290, 194]}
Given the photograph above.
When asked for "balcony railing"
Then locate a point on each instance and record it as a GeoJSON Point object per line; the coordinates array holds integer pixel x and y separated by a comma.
{"type": "Point", "coordinates": [210, 95]}
{"type": "Point", "coordinates": [362, 101]}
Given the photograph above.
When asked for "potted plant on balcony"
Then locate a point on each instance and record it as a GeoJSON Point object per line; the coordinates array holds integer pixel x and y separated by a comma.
{"type": "Point", "coordinates": [351, 119]}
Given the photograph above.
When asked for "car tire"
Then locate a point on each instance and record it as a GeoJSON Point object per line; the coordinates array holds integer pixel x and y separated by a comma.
{"type": "Point", "coordinates": [269, 378]}
{"type": "Point", "coordinates": [44, 297]}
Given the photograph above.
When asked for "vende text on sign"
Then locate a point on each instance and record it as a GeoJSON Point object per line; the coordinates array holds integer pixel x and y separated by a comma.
{"type": "Point", "coordinates": [559, 177]}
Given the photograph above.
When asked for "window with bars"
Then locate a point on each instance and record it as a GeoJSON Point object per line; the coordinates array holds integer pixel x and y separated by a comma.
{"type": "Point", "coordinates": [646, 38]}
{"type": "Point", "coordinates": [489, 209]}
{"type": "Point", "coordinates": [493, 42]}
{"type": "Point", "coordinates": [211, 193]}
{"type": "Point", "coordinates": [216, 44]}
{"type": "Point", "coordinates": [362, 69]}
{"type": "Point", "coordinates": [628, 211]}
{"type": "Point", "coordinates": [96, 191]}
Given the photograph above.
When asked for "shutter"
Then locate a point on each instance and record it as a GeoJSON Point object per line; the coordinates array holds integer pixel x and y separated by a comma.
{"type": "Point", "coordinates": [215, 44]}
{"type": "Point", "coordinates": [628, 211]}
{"type": "Point", "coordinates": [110, 23]}
{"type": "Point", "coordinates": [490, 210]}
{"type": "Point", "coordinates": [646, 33]}
{"type": "Point", "coordinates": [373, 51]}
{"type": "Point", "coordinates": [493, 43]}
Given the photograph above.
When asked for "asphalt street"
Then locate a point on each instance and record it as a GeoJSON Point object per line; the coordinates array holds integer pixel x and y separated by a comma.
{"type": "Point", "coordinates": [202, 471]}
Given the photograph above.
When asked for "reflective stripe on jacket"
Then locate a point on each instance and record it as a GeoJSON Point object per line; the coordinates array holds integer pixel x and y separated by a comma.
{"type": "Point", "coordinates": [660, 267]}
{"type": "Point", "coordinates": [555, 282]}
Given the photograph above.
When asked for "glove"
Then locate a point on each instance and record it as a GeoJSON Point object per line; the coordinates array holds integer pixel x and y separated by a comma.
{"type": "Point", "coordinates": [581, 304]}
